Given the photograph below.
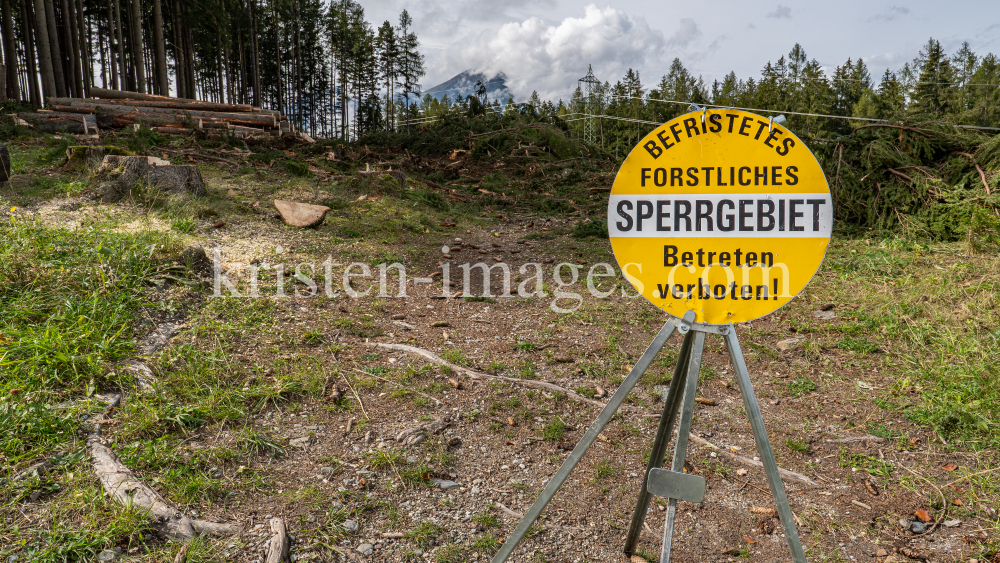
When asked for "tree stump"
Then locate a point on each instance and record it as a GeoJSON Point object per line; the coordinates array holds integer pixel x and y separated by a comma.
{"type": "Point", "coordinates": [119, 175]}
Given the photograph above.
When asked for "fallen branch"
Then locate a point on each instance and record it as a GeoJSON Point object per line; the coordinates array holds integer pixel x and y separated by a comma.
{"type": "Point", "coordinates": [126, 489]}
{"type": "Point", "coordinates": [182, 554]}
{"type": "Point", "coordinates": [199, 155]}
{"type": "Point", "coordinates": [853, 439]}
{"type": "Point", "coordinates": [480, 375]}
{"type": "Point", "coordinates": [358, 397]}
{"type": "Point", "coordinates": [553, 387]}
{"type": "Point", "coordinates": [752, 462]}
{"type": "Point", "coordinates": [397, 384]}
{"type": "Point", "coordinates": [277, 552]}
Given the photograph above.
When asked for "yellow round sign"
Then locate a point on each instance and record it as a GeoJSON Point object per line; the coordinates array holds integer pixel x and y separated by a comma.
{"type": "Point", "coordinates": [720, 212]}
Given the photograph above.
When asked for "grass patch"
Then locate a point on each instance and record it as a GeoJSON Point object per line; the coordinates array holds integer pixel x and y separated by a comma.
{"type": "Point", "coordinates": [554, 430]}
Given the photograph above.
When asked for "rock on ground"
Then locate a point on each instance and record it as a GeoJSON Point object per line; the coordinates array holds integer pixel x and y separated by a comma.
{"type": "Point", "coordinates": [300, 214]}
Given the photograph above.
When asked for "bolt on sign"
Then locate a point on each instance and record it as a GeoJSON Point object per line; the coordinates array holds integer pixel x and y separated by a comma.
{"type": "Point", "coordinates": [721, 212]}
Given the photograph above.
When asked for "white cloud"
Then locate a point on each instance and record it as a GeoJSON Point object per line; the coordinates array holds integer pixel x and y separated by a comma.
{"type": "Point", "coordinates": [687, 34]}
{"type": "Point", "coordinates": [549, 58]}
{"type": "Point", "coordinates": [781, 12]}
{"type": "Point", "coordinates": [891, 13]}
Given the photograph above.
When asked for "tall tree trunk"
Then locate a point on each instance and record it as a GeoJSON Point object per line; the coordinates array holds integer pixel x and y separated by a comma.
{"type": "Point", "coordinates": [74, 87]}
{"type": "Point", "coordinates": [55, 53]}
{"type": "Point", "coordinates": [112, 59]}
{"type": "Point", "coordinates": [137, 54]}
{"type": "Point", "coordinates": [9, 51]}
{"type": "Point", "coordinates": [256, 55]}
{"type": "Point", "coordinates": [34, 96]}
{"type": "Point", "coordinates": [120, 47]}
{"type": "Point", "coordinates": [161, 49]}
{"type": "Point", "coordinates": [179, 72]}
{"type": "Point", "coordinates": [86, 56]}
{"type": "Point", "coordinates": [44, 48]}
{"type": "Point", "coordinates": [189, 64]}
{"type": "Point", "coordinates": [219, 64]}
{"type": "Point", "coordinates": [277, 55]}
{"type": "Point", "coordinates": [128, 61]}
{"type": "Point", "coordinates": [104, 57]}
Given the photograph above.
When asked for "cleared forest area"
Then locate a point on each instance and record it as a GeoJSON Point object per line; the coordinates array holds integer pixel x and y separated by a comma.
{"type": "Point", "coordinates": [298, 408]}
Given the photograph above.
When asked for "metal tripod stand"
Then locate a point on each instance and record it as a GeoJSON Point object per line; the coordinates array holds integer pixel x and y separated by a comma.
{"type": "Point", "coordinates": [673, 483]}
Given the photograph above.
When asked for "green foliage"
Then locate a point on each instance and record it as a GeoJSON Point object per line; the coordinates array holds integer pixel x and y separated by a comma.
{"type": "Point", "coordinates": [596, 229]}
{"type": "Point", "coordinates": [801, 386]}
{"type": "Point", "coordinates": [554, 430]}
{"type": "Point", "coordinates": [873, 465]}
{"type": "Point", "coordinates": [859, 345]}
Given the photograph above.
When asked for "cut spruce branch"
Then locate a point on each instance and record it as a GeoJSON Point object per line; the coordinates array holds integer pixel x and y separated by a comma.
{"type": "Point", "coordinates": [900, 174]}
{"type": "Point", "coordinates": [427, 354]}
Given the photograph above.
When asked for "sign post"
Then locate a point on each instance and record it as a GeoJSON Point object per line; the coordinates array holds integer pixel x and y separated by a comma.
{"type": "Point", "coordinates": [717, 217]}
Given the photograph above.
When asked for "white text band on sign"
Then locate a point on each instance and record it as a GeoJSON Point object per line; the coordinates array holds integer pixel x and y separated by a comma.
{"type": "Point", "coordinates": [720, 215]}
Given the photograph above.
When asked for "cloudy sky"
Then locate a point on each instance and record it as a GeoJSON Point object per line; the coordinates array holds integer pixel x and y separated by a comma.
{"type": "Point", "coordinates": [546, 45]}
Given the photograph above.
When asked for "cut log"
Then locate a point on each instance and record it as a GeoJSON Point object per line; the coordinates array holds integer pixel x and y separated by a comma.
{"type": "Point", "coordinates": [169, 103]}
{"type": "Point", "coordinates": [115, 119]}
{"type": "Point", "coordinates": [245, 119]}
{"type": "Point", "coordinates": [51, 122]}
{"type": "Point", "coordinates": [119, 175]}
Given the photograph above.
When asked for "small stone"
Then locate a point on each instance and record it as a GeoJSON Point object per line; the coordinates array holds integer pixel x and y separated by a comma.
{"type": "Point", "coordinates": [444, 484]}
{"type": "Point", "coordinates": [399, 317]}
{"type": "Point", "coordinates": [300, 214]}
{"type": "Point", "coordinates": [564, 359]}
{"type": "Point", "coordinates": [904, 523]}
{"type": "Point", "coordinates": [350, 526]}
{"type": "Point", "coordinates": [366, 549]}
{"type": "Point", "coordinates": [337, 505]}
{"type": "Point", "coordinates": [881, 552]}
{"type": "Point", "coordinates": [741, 472]}
{"type": "Point", "coordinates": [918, 527]}
{"type": "Point", "coordinates": [790, 344]}
{"type": "Point", "coordinates": [418, 552]}
{"type": "Point", "coordinates": [438, 324]}
{"type": "Point", "coordinates": [475, 490]}
{"type": "Point", "coordinates": [12, 559]}
{"type": "Point", "coordinates": [824, 315]}
{"type": "Point", "coordinates": [328, 470]}
{"type": "Point", "coordinates": [952, 523]}
{"type": "Point", "coordinates": [107, 555]}
{"type": "Point", "coordinates": [662, 391]}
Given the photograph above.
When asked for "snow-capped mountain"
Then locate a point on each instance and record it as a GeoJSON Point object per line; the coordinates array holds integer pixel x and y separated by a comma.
{"type": "Point", "coordinates": [464, 84]}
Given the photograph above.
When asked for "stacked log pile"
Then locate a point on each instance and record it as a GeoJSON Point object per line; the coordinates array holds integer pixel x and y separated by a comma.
{"type": "Point", "coordinates": [117, 109]}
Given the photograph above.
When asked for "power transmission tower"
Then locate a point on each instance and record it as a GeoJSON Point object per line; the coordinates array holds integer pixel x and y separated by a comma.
{"type": "Point", "coordinates": [590, 88]}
